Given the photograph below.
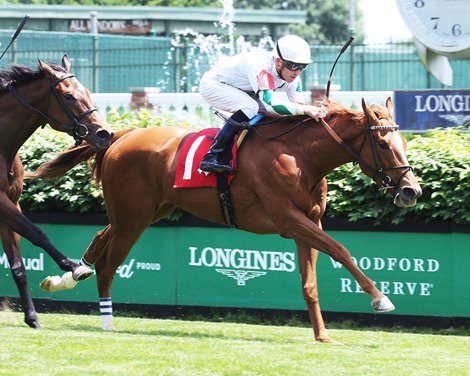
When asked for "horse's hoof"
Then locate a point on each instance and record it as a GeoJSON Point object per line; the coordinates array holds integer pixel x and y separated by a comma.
{"type": "Point", "coordinates": [34, 323]}
{"type": "Point", "coordinates": [328, 340]}
{"type": "Point", "coordinates": [82, 273]}
{"type": "Point", "coordinates": [383, 305]}
{"type": "Point", "coordinates": [57, 283]}
{"type": "Point", "coordinates": [48, 283]}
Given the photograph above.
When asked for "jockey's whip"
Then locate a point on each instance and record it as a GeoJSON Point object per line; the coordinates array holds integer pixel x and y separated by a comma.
{"type": "Point", "coordinates": [17, 32]}
{"type": "Point", "coordinates": [345, 47]}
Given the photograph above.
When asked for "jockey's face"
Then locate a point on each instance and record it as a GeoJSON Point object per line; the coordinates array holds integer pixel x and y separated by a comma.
{"type": "Point", "coordinates": [285, 73]}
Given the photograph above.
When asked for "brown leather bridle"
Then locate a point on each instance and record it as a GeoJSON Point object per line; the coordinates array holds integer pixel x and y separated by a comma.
{"type": "Point", "coordinates": [78, 130]}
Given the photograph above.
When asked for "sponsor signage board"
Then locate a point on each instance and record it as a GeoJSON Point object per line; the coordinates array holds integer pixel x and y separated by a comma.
{"type": "Point", "coordinates": [146, 277]}
{"type": "Point", "coordinates": [424, 110]}
{"type": "Point", "coordinates": [422, 273]}
{"type": "Point", "coordinates": [135, 27]}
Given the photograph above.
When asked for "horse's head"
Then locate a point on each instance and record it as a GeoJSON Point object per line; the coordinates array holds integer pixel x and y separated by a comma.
{"type": "Point", "coordinates": [384, 151]}
{"type": "Point", "coordinates": [71, 110]}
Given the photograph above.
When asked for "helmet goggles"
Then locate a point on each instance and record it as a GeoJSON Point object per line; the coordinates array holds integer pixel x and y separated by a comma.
{"type": "Point", "coordinates": [293, 66]}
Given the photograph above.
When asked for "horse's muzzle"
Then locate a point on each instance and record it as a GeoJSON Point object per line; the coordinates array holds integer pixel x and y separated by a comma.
{"type": "Point", "coordinates": [101, 139]}
{"type": "Point", "coordinates": [407, 196]}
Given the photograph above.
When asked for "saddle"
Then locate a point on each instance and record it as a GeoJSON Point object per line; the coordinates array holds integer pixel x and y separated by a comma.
{"type": "Point", "coordinates": [188, 174]}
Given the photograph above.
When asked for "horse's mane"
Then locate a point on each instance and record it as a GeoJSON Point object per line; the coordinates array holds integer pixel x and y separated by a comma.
{"type": "Point", "coordinates": [21, 75]}
{"type": "Point", "coordinates": [335, 109]}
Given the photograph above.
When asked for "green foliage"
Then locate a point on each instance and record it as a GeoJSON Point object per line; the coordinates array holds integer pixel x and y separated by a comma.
{"type": "Point", "coordinates": [327, 22]}
{"type": "Point", "coordinates": [441, 160]}
{"type": "Point", "coordinates": [74, 192]}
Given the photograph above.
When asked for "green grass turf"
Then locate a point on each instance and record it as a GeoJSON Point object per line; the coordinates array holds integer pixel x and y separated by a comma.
{"type": "Point", "coordinates": [76, 345]}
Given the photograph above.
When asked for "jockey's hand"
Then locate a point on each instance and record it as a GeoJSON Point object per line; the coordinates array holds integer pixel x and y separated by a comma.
{"type": "Point", "coordinates": [313, 111]}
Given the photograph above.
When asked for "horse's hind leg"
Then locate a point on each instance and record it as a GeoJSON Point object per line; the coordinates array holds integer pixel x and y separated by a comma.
{"type": "Point", "coordinates": [307, 266]}
{"type": "Point", "coordinates": [97, 247]}
{"type": "Point", "coordinates": [119, 241]}
{"type": "Point", "coordinates": [11, 245]}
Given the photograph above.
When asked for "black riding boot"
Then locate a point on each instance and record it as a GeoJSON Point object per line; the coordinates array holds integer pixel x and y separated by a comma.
{"type": "Point", "coordinates": [210, 162]}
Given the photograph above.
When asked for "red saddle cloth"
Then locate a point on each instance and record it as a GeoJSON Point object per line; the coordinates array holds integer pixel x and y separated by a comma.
{"type": "Point", "coordinates": [188, 174]}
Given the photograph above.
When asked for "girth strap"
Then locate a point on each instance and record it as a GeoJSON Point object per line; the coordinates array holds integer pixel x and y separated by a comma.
{"type": "Point", "coordinates": [225, 200]}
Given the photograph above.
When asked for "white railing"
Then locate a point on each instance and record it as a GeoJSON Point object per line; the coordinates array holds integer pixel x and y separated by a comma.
{"type": "Point", "coordinates": [191, 102]}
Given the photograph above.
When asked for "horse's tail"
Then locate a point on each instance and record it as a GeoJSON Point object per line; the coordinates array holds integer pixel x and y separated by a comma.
{"type": "Point", "coordinates": [69, 158]}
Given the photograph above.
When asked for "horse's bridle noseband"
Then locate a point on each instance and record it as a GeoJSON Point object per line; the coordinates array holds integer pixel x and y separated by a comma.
{"type": "Point", "coordinates": [77, 129]}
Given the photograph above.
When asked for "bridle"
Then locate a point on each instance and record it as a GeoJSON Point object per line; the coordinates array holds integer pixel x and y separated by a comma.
{"type": "Point", "coordinates": [378, 169]}
{"type": "Point", "coordinates": [78, 130]}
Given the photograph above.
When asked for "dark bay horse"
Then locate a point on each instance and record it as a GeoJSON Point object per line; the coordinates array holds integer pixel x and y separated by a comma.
{"type": "Point", "coordinates": [280, 187]}
{"type": "Point", "coordinates": [30, 99]}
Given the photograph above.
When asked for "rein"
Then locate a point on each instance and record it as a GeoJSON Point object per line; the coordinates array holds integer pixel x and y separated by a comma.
{"type": "Point", "coordinates": [77, 129]}
{"type": "Point", "coordinates": [378, 170]}
{"type": "Point", "coordinates": [293, 127]}
{"type": "Point", "coordinates": [248, 126]}
{"type": "Point", "coordinates": [387, 181]}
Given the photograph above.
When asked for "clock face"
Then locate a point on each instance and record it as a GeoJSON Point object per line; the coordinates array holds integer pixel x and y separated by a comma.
{"type": "Point", "coordinates": [441, 25]}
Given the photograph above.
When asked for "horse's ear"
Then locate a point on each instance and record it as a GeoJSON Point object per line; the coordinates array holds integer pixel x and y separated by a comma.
{"type": "Point", "coordinates": [369, 113]}
{"type": "Point", "coordinates": [389, 105]}
{"type": "Point", "coordinates": [66, 63]}
{"type": "Point", "coordinates": [48, 71]}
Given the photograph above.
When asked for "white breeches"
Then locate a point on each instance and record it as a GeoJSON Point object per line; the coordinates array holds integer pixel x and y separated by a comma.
{"type": "Point", "coordinates": [227, 98]}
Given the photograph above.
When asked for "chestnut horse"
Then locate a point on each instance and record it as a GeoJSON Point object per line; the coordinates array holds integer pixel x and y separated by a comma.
{"type": "Point", "coordinates": [30, 99]}
{"type": "Point", "coordinates": [280, 187]}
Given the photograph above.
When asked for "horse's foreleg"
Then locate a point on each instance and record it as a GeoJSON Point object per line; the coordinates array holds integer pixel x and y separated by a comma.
{"type": "Point", "coordinates": [13, 219]}
{"type": "Point", "coordinates": [94, 250]}
{"type": "Point", "coordinates": [380, 302]}
{"type": "Point", "coordinates": [307, 266]}
{"type": "Point", "coordinates": [305, 231]}
{"type": "Point", "coordinates": [11, 245]}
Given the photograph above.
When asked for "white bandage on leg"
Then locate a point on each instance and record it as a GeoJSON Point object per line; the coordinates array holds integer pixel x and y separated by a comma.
{"type": "Point", "coordinates": [106, 310]}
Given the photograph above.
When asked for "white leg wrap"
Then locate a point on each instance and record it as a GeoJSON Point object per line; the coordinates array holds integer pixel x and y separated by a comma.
{"type": "Point", "coordinates": [106, 309]}
{"type": "Point", "coordinates": [57, 283]}
{"type": "Point", "coordinates": [84, 262]}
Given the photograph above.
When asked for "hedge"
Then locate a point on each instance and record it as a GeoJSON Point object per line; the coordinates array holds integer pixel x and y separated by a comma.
{"type": "Point", "coordinates": [440, 158]}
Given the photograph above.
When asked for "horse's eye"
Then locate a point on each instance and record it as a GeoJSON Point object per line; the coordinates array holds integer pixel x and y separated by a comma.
{"type": "Point", "coordinates": [383, 145]}
{"type": "Point", "coordinates": [69, 97]}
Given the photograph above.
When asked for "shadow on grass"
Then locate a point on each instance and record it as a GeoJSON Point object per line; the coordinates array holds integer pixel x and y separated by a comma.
{"type": "Point", "coordinates": [175, 333]}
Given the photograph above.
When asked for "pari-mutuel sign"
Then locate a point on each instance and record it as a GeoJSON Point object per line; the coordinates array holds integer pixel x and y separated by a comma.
{"type": "Point", "coordinates": [424, 110]}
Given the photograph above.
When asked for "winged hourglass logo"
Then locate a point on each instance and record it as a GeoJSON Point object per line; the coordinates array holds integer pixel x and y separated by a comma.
{"type": "Point", "coordinates": [457, 119]}
{"type": "Point", "coordinates": [241, 276]}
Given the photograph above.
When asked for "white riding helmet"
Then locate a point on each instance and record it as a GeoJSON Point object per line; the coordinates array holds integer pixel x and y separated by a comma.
{"type": "Point", "coordinates": [293, 48]}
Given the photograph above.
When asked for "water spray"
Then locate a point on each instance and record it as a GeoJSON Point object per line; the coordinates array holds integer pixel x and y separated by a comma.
{"type": "Point", "coordinates": [17, 32]}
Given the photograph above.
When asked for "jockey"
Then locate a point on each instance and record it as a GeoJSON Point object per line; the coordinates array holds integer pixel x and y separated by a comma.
{"type": "Point", "coordinates": [243, 85]}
